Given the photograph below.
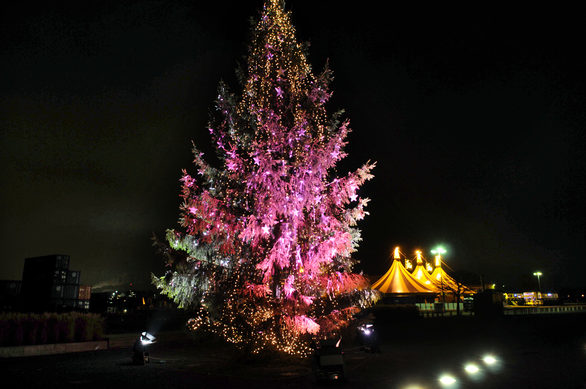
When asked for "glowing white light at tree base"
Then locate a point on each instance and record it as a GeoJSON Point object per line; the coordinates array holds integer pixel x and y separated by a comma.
{"type": "Point", "coordinates": [146, 338]}
{"type": "Point", "coordinates": [366, 329]}
{"type": "Point", "coordinates": [266, 252]}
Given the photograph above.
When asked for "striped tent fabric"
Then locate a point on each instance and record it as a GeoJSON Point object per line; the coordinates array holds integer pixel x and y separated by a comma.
{"type": "Point", "coordinates": [398, 280]}
{"type": "Point", "coordinates": [423, 276]}
{"type": "Point", "coordinates": [443, 279]}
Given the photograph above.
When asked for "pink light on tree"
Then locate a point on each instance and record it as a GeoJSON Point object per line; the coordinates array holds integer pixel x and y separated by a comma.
{"type": "Point", "coordinates": [265, 248]}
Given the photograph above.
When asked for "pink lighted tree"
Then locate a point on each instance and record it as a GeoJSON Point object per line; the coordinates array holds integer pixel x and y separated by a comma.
{"type": "Point", "coordinates": [264, 256]}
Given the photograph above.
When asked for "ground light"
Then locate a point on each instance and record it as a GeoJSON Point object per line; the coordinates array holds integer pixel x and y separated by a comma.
{"type": "Point", "coordinates": [471, 368]}
{"type": "Point", "coordinates": [447, 380]}
{"type": "Point", "coordinates": [146, 338]}
{"type": "Point", "coordinates": [366, 329]}
{"type": "Point", "coordinates": [492, 363]}
{"type": "Point", "coordinates": [141, 348]}
{"type": "Point", "coordinates": [489, 359]}
{"type": "Point", "coordinates": [473, 371]}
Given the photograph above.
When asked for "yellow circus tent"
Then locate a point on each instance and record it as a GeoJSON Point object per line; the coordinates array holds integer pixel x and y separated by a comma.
{"type": "Point", "coordinates": [422, 275]}
{"type": "Point", "coordinates": [444, 281]}
{"type": "Point", "coordinates": [398, 280]}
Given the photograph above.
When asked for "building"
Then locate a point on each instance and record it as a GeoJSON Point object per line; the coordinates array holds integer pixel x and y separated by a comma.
{"type": "Point", "coordinates": [530, 298]}
{"type": "Point", "coordinates": [83, 297]}
{"type": "Point", "coordinates": [49, 285]}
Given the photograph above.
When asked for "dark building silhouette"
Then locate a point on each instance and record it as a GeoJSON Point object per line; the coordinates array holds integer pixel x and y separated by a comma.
{"type": "Point", "coordinates": [49, 285]}
{"type": "Point", "coordinates": [10, 295]}
{"type": "Point", "coordinates": [100, 301]}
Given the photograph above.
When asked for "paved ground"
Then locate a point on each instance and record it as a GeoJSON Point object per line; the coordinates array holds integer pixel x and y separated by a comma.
{"type": "Point", "coordinates": [532, 352]}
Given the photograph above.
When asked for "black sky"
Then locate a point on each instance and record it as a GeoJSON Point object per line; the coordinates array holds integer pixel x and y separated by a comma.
{"type": "Point", "coordinates": [475, 116]}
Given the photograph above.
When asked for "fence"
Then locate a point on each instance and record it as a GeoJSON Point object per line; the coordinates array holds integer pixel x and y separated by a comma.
{"type": "Point", "coordinates": [442, 309]}
{"type": "Point", "coordinates": [544, 310]}
{"type": "Point", "coordinates": [449, 309]}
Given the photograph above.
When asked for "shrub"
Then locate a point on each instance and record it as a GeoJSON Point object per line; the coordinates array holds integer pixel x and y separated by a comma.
{"type": "Point", "coordinates": [83, 328]}
{"type": "Point", "coordinates": [4, 331]}
{"type": "Point", "coordinates": [42, 334]}
{"type": "Point", "coordinates": [52, 328]}
{"type": "Point", "coordinates": [68, 327]}
{"type": "Point", "coordinates": [97, 326]}
{"type": "Point", "coordinates": [30, 329]}
{"type": "Point", "coordinates": [27, 328]}
{"type": "Point", "coordinates": [17, 332]}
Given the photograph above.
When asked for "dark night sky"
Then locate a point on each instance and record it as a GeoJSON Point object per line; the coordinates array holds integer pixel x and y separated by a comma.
{"type": "Point", "coordinates": [475, 116]}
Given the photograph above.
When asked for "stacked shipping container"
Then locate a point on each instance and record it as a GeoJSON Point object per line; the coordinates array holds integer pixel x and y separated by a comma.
{"type": "Point", "coordinates": [49, 285]}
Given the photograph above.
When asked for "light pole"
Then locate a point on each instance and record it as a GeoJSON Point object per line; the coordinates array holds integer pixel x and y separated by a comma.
{"type": "Point", "coordinates": [538, 274]}
{"type": "Point", "coordinates": [438, 251]}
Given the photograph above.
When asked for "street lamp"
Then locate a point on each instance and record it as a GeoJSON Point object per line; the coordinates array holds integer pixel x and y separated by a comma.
{"type": "Point", "coordinates": [538, 274]}
{"type": "Point", "coordinates": [438, 251]}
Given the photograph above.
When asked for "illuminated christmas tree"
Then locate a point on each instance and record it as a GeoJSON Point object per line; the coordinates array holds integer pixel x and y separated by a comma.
{"type": "Point", "coordinates": [265, 251]}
